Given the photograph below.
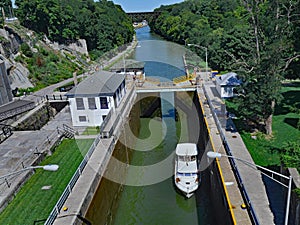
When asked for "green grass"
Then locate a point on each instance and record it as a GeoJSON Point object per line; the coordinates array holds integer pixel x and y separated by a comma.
{"type": "Point", "coordinates": [31, 202]}
{"type": "Point", "coordinates": [91, 131]}
{"type": "Point", "coordinates": [266, 152]}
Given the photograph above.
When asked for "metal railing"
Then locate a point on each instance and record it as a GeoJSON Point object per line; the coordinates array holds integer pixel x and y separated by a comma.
{"type": "Point", "coordinates": [58, 206]}
{"type": "Point", "coordinates": [122, 106]}
{"type": "Point", "coordinates": [32, 157]}
{"type": "Point", "coordinates": [56, 98]}
{"type": "Point", "coordinates": [231, 160]}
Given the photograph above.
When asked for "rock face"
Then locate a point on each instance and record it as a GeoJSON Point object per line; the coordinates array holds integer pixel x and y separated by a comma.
{"type": "Point", "coordinates": [79, 46]}
{"type": "Point", "coordinates": [19, 77]}
{"type": "Point", "coordinates": [10, 42]}
{"type": "Point", "coordinates": [17, 74]}
{"type": "Point", "coordinates": [5, 90]}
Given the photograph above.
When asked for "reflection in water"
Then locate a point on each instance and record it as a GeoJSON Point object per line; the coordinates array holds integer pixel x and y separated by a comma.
{"type": "Point", "coordinates": [164, 72]}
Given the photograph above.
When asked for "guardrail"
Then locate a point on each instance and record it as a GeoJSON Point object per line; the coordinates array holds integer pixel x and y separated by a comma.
{"type": "Point", "coordinates": [231, 160]}
{"type": "Point", "coordinates": [56, 209]}
{"type": "Point", "coordinates": [56, 98]}
{"type": "Point", "coordinates": [32, 157]}
{"type": "Point", "coordinates": [123, 105]}
{"type": "Point", "coordinates": [58, 206]}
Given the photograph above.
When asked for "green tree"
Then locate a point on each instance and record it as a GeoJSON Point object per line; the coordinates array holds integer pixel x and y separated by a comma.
{"type": "Point", "coordinates": [265, 66]}
{"type": "Point", "coordinates": [103, 24]}
{"type": "Point", "coordinates": [257, 39]}
{"type": "Point", "coordinates": [291, 155]}
{"type": "Point", "coordinates": [5, 9]}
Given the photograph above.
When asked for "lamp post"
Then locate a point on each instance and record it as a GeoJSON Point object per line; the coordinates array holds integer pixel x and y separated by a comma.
{"type": "Point", "coordinates": [216, 155]}
{"type": "Point", "coordinates": [206, 60]}
{"type": "Point", "coordinates": [46, 167]}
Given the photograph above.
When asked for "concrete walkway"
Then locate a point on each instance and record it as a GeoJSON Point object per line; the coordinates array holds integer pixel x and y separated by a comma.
{"type": "Point", "coordinates": [251, 176]}
{"type": "Point", "coordinates": [23, 148]}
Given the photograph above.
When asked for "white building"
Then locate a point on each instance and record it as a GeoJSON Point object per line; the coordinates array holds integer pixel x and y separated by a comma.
{"type": "Point", "coordinates": [226, 83]}
{"type": "Point", "coordinates": [93, 98]}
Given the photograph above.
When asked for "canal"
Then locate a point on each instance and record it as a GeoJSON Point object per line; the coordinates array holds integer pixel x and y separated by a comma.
{"type": "Point", "coordinates": [145, 192]}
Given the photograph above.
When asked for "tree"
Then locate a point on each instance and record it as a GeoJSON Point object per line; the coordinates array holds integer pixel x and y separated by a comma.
{"type": "Point", "coordinates": [103, 24]}
{"type": "Point", "coordinates": [291, 154]}
{"type": "Point", "coordinates": [5, 9]}
{"type": "Point", "coordinates": [266, 65]}
{"type": "Point", "coordinates": [258, 39]}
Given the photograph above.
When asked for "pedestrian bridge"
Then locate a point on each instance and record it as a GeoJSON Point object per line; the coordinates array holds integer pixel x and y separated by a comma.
{"type": "Point", "coordinates": [151, 89]}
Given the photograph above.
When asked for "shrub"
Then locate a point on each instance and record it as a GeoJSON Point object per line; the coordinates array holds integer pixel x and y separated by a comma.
{"type": "Point", "coordinates": [25, 49]}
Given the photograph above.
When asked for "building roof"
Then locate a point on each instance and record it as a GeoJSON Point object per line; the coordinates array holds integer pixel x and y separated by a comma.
{"type": "Point", "coordinates": [101, 83]}
{"type": "Point", "coordinates": [228, 79]}
{"type": "Point", "coordinates": [129, 64]}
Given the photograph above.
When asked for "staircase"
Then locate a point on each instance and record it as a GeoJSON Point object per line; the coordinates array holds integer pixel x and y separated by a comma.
{"type": "Point", "coordinates": [67, 131]}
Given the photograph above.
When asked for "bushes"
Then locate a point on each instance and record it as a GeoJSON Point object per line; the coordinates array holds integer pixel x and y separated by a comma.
{"type": "Point", "coordinates": [25, 49]}
{"type": "Point", "coordinates": [46, 67]}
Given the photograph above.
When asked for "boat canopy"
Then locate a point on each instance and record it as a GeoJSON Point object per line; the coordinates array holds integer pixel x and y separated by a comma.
{"type": "Point", "coordinates": [184, 149]}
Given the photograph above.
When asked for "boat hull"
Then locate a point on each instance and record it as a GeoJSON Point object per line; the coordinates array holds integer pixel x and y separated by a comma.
{"type": "Point", "coordinates": [186, 168]}
{"type": "Point", "coordinates": [187, 186]}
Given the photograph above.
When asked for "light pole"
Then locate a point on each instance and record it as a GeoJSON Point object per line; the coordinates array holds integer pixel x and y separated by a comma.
{"type": "Point", "coordinates": [216, 155]}
{"type": "Point", "coordinates": [206, 60]}
{"type": "Point", "coordinates": [46, 167]}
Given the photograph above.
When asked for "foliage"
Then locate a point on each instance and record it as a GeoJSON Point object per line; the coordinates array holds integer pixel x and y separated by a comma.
{"type": "Point", "coordinates": [45, 66]}
{"type": "Point", "coordinates": [32, 199]}
{"type": "Point", "coordinates": [7, 6]}
{"type": "Point", "coordinates": [268, 151]}
{"type": "Point", "coordinates": [257, 39]}
{"type": "Point", "coordinates": [102, 24]}
{"type": "Point", "coordinates": [291, 154]}
{"type": "Point", "coordinates": [25, 49]}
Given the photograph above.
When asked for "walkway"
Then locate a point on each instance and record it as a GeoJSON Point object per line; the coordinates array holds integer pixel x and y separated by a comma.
{"type": "Point", "coordinates": [23, 148]}
{"type": "Point", "coordinates": [251, 177]}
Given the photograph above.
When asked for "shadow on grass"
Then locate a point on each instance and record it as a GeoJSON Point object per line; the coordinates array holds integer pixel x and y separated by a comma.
{"type": "Point", "coordinates": [292, 122]}
{"type": "Point", "coordinates": [291, 101]}
{"type": "Point", "coordinates": [291, 84]}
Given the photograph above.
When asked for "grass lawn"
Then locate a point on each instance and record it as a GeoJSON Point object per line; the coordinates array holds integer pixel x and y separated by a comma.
{"type": "Point", "coordinates": [91, 131]}
{"type": "Point", "coordinates": [266, 152]}
{"type": "Point", "coordinates": [31, 202]}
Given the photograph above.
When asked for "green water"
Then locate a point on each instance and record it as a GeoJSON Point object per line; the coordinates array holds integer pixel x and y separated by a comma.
{"type": "Point", "coordinates": [160, 203]}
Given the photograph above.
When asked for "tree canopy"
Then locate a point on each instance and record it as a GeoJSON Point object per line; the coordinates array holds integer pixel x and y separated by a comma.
{"type": "Point", "coordinates": [257, 39]}
{"type": "Point", "coordinates": [102, 24]}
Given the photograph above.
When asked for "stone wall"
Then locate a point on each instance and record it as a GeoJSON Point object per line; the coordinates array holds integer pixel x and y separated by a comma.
{"type": "Point", "coordinates": [38, 119]}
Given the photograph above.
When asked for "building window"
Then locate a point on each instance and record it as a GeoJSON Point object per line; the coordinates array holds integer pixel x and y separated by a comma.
{"type": "Point", "coordinates": [82, 118]}
{"type": "Point", "coordinates": [79, 103]}
{"type": "Point", "coordinates": [103, 103]}
{"type": "Point", "coordinates": [92, 103]}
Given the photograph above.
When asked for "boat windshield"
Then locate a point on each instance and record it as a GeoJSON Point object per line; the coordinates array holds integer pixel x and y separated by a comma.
{"type": "Point", "coordinates": [187, 174]}
{"type": "Point", "coordinates": [187, 158]}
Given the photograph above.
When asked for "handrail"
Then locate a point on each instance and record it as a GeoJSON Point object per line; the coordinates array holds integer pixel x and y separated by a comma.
{"type": "Point", "coordinates": [58, 206]}
{"type": "Point", "coordinates": [232, 162]}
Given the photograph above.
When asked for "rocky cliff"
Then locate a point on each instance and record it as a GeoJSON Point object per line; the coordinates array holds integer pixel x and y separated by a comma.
{"type": "Point", "coordinates": [11, 38]}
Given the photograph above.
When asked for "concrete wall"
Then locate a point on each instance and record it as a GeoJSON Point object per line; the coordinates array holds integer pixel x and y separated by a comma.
{"type": "Point", "coordinates": [294, 215]}
{"type": "Point", "coordinates": [5, 89]}
{"type": "Point", "coordinates": [217, 195]}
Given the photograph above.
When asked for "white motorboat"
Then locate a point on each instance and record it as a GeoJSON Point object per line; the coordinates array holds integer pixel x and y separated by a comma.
{"type": "Point", "coordinates": [186, 168]}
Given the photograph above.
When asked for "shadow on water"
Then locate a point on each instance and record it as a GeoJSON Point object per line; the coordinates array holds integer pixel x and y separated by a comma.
{"type": "Point", "coordinates": [277, 195]}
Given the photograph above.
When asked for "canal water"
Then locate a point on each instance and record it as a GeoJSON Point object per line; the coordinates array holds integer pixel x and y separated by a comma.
{"type": "Point", "coordinates": [163, 60]}
{"type": "Point", "coordinates": [147, 195]}
{"type": "Point", "coordinates": [160, 202]}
